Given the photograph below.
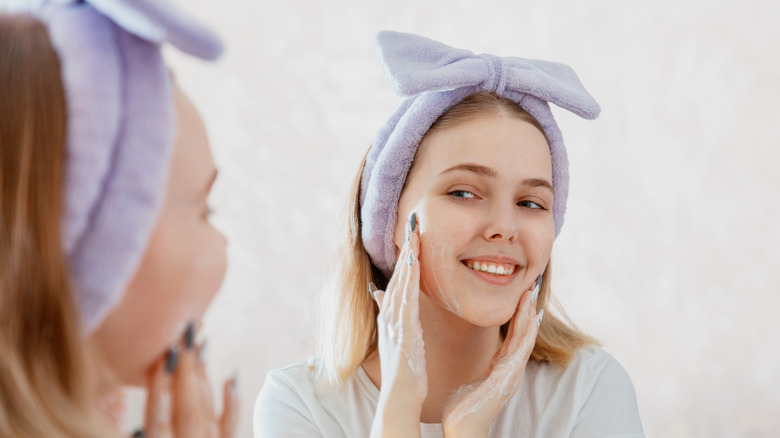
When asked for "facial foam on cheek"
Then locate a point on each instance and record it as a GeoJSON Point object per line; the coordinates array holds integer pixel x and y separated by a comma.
{"type": "Point", "coordinates": [436, 254]}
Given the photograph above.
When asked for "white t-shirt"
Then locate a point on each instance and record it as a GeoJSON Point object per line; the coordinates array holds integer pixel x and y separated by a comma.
{"type": "Point", "coordinates": [592, 397]}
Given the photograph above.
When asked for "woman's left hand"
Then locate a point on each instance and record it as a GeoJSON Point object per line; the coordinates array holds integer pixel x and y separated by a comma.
{"type": "Point", "coordinates": [471, 410]}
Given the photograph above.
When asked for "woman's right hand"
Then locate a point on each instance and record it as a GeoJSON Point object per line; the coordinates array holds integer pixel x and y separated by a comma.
{"type": "Point", "coordinates": [401, 351]}
{"type": "Point", "coordinates": [179, 401]}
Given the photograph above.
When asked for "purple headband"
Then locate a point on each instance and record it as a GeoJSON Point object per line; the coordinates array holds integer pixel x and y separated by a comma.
{"type": "Point", "coordinates": [121, 127]}
{"type": "Point", "coordinates": [434, 77]}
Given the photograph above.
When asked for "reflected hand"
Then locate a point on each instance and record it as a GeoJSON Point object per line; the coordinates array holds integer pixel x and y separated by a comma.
{"type": "Point", "coordinates": [180, 403]}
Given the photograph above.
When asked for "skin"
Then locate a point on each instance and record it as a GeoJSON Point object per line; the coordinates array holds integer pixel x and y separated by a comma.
{"type": "Point", "coordinates": [179, 275]}
{"type": "Point", "coordinates": [481, 190]}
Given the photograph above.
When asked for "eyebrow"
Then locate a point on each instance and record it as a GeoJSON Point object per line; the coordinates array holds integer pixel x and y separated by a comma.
{"type": "Point", "coordinates": [490, 172]}
{"type": "Point", "coordinates": [474, 168]}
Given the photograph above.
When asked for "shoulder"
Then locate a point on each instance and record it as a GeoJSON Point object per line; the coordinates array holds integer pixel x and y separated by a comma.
{"type": "Point", "coordinates": [607, 398]}
{"type": "Point", "coordinates": [285, 396]}
{"type": "Point", "coordinates": [296, 398]}
{"type": "Point", "coordinates": [593, 392]}
{"type": "Point", "coordinates": [593, 363]}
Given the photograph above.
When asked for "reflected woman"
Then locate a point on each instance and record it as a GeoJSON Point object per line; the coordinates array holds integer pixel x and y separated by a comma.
{"type": "Point", "coordinates": [439, 322]}
{"type": "Point", "coordinates": [107, 257]}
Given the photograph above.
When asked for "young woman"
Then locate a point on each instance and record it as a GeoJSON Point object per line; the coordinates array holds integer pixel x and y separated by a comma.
{"type": "Point", "coordinates": [439, 321]}
{"type": "Point", "coordinates": [107, 257]}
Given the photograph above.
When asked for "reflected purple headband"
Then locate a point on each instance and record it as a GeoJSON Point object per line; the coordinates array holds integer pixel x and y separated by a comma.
{"type": "Point", "coordinates": [433, 77]}
{"type": "Point", "coordinates": [121, 127]}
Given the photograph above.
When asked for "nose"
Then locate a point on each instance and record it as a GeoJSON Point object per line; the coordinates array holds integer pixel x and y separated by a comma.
{"type": "Point", "coordinates": [501, 223]}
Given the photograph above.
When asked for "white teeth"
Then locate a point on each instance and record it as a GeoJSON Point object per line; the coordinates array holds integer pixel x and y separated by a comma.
{"type": "Point", "coordinates": [491, 268]}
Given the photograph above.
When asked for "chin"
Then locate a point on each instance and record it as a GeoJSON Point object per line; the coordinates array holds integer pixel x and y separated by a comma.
{"type": "Point", "coordinates": [486, 318]}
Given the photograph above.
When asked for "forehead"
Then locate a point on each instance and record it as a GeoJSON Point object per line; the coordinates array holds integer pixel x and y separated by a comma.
{"type": "Point", "coordinates": [514, 148]}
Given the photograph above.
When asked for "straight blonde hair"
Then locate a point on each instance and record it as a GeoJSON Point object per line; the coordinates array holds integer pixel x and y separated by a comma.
{"type": "Point", "coordinates": [348, 334]}
{"type": "Point", "coordinates": [44, 390]}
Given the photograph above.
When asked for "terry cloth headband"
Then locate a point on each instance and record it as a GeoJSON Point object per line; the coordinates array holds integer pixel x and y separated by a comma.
{"type": "Point", "coordinates": [120, 132]}
{"type": "Point", "coordinates": [433, 77]}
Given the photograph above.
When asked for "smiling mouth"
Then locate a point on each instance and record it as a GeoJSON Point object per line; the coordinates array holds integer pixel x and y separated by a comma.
{"type": "Point", "coordinates": [491, 268]}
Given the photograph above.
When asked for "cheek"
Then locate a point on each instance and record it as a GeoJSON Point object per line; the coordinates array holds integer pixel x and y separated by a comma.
{"type": "Point", "coordinates": [441, 234]}
{"type": "Point", "coordinates": [538, 244]}
{"type": "Point", "coordinates": [178, 278]}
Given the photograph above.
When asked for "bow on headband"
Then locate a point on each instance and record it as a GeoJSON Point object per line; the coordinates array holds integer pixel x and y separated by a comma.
{"type": "Point", "coordinates": [434, 77]}
{"type": "Point", "coordinates": [121, 127]}
{"type": "Point", "coordinates": [416, 64]}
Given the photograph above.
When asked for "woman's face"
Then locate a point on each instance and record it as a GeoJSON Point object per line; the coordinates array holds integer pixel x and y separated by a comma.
{"type": "Point", "coordinates": [482, 191]}
{"type": "Point", "coordinates": [182, 268]}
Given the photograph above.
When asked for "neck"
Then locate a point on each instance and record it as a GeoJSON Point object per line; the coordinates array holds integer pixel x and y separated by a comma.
{"type": "Point", "coordinates": [456, 353]}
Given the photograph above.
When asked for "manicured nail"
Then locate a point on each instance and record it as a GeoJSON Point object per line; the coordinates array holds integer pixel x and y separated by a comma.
{"type": "Point", "coordinates": [201, 350]}
{"type": "Point", "coordinates": [173, 360]}
{"type": "Point", "coordinates": [411, 258]}
{"type": "Point", "coordinates": [139, 434]}
{"type": "Point", "coordinates": [413, 222]}
{"type": "Point", "coordinates": [372, 290]}
{"type": "Point", "coordinates": [189, 336]}
{"type": "Point", "coordinates": [536, 289]}
{"type": "Point", "coordinates": [539, 317]}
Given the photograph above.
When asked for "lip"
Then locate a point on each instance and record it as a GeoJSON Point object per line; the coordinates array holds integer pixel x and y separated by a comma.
{"type": "Point", "coordinates": [493, 279]}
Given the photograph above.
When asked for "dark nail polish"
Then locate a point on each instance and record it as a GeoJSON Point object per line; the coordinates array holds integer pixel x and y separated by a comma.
{"type": "Point", "coordinates": [139, 434]}
{"type": "Point", "coordinates": [172, 361]}
{"type": "Point", "coordinates": [413, 222]}
{"type": "Point", "coordinates": [372, 290]}
{"type": "Point", "coordinates": [189, 336]}
{"type": "Point", "coordinates": [539, 281]}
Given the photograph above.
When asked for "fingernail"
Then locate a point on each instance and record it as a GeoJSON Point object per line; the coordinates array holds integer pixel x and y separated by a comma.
{"type": "Point", "coordinates": [139, 434]}
{"type": "Point", "coordinates": [372, 290]}
{"type": "Point", "coordinates": [539, 317]}
{"type": "Point", "coordinates": [201, 350]}
{"type": "Point", "coordinates": [189, 336]}
{"type": "Point", "coordinates": [413, 222]}
{"type": "Point", "coordinates": [173, 360]}
{"type": "Point", "coordinates": [411, 258]}
{"type": "Point", "coordinates": [537, 288]}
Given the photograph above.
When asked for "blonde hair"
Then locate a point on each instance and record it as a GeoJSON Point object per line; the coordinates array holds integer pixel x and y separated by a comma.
{"type": "Point", "coordinates": [44, 389]}
{"type": "Point", "coordinates": [348, 334]}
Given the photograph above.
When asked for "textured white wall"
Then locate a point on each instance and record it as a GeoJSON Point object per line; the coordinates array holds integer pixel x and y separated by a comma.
{"type": "Point", "coordinates": [670, 250]}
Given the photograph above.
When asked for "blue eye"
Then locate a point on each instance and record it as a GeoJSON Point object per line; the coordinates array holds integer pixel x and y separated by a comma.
{"type": "Point", "coordinates": [530, 204]}
{"type": "Point", "coordinates": [462, 194]}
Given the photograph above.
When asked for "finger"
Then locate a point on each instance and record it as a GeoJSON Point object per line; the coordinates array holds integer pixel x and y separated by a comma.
{"type": "Point", "coordinates": [207, 399]}
{"type": "Point", "coordinates": [157, 422]}
{"type": "Point", "coordinates": [411, 293]}
{"type": "Point", "coordinates": [228, 422]}
{"type": "Point", "coordinates": [520, 322]}
{"type": "Point", "coordinates": [379, 297]}
{"type": "Point", "coordinates": [190, 417]}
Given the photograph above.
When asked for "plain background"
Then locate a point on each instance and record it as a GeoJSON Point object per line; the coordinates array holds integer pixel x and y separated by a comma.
{"type": "Point", "coordinates": [669, 254]}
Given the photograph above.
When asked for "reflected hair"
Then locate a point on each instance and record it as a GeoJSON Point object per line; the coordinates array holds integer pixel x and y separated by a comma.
{"type": "Point", "coordinates": [43, 381]}
{"type": "Point", "coordinates": [348, 331]}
